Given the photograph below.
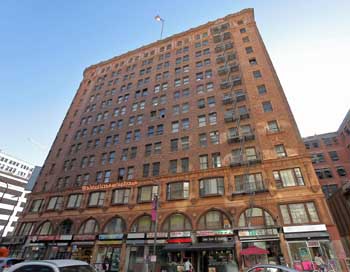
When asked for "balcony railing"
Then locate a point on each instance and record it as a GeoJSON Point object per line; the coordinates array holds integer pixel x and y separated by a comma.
{"type": "Point", "coordinates": [231, 139]}
{"type": "Point", "coordinates": [227, 99]}
{"type": "Point", "coordinates": [248, 160]}
{"type": "Point", "coordinates": [220, 59]}
{"type": "Point", "coordinates": [233, 82]}
{"type": "Point", "coordinates": [230, 117]}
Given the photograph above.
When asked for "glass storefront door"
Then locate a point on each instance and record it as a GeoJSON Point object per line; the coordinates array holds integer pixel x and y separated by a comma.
{"type": "Point", "coordinates": [108, 258]}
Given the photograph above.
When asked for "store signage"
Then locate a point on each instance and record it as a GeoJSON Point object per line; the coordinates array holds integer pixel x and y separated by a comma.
{"type": "Point", "coordinates": [159, 235]}
{"type": "Point", "coordinates": [305, 228]}
{"type": "Point", "coordinates": [180, 234]}
{"type": "Point", "coordinates": [84, 237]}
{"type": "Point", "coordinates": [46, 237]}
{"type": "Point", "coordinates": [313, 244]}
{"type": "Point", "coordinates": [160, 241]}
{"type": "Point", "coordinates": [214, 232]}
{"type": "Point", "coordinates": [136, 235]}
{"type": "Point", "coordinates": [258, 232]}
{"type": "Point", "coordinates": [118, 236]}
{"type": "Point", "coordinates": [179, 240]}
{"type": "Point", "coordinates": [104, 186]}
{"type": "Point", "coordinates": [64, 237]}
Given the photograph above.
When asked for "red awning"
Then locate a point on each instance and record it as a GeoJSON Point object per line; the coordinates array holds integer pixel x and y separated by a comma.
{"type": "Point", "coordinates": [253, 250]}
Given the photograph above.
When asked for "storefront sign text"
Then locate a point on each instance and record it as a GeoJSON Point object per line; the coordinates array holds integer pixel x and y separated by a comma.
{"type": "Point", "coordinates": [180, 234]}
{"type": "Point", "coordinates": [179, 240]}
{"type": "Point", "coordinates": [136, 235]}
{"type": "Point", "coordinates": [258, 232]}
{"type": "Point", "coordinates": [109, 185]}
{"type": "Point", "coordinates": [159, 235]}
{"type": "Point", "coordinates": [118, 236]}
{"type": "Point", "coordinates": [214, 232]}
{"type": "Point", "coordinates": [84, 237]}
{"type": "Point", "coordinates": [305, 228]}
{"type": "Point", "coordinates": [313, 244]}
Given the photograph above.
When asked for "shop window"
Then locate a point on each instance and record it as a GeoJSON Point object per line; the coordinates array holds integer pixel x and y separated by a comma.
{"type": "Point", "coordinates": [299, 213]}
{"type": "Point", "coordinates": [44, 229]}
{"type": "Point", "coordinates": [178, 190]}
{"type": "Point", "coordinates": [89, 227]}
{"type": "Point", "coordinates": [147, 193]}
{"type": "Point", "coordinates": [142, 224]}
{"type": "Point", "coordinates": [214, 220]}
{"type": "Point", "coordinates": [176, 222]}
{"type": "Point", "coordinates": [211, 186]}
{"type": "Point", "coordinates": [255, 217]}
{"type": "Point", "coordinates": [115, 225]}
{"type": "Point", "coordinates": [288, 177]}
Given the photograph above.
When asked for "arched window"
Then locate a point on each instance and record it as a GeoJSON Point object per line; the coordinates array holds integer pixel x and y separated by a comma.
{"type": "Point", "coordinates": [45, 228]}
{"type": "Point", "coordinates": [115, 225]}
{"type": "Point", "coordinates": [89, 227]}
{"type": "Point", "coordinates": [65, 227]}
{"type": "Point", "coordinates": [176, 222]}
{"type": "Point", "coordinates": [255, 217]}
{"type": "Point", "coordinates": [143, 224]}
{"type": "Point", "coordinates": [214, 220]}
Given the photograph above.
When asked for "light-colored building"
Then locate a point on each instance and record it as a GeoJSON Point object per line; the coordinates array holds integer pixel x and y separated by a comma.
{"type": "Point", "coordinates": [14, 177]}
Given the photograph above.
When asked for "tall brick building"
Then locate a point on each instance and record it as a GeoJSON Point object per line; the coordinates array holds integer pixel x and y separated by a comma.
{"type": "Point", "coordinates": [330, 155]}
{"type": "Point", "coordinates": [200, 120]}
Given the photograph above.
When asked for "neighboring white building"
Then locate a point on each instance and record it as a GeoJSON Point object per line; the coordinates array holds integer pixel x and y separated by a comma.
{"type": "Point", "coordinates": [14, 178]}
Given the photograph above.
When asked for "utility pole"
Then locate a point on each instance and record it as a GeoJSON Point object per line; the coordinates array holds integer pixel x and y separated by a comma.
{"type": "Point", "coordinates": [155, 220]}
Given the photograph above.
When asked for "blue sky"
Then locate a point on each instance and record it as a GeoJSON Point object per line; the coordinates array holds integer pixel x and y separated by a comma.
{"type": "Point", "coordinates": [45, 46]}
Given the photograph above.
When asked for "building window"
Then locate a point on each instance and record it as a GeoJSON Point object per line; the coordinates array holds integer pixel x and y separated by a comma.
{"type": "Point", "coordinates": [202, 121]}
{"type": "Point", "coordinates": [121, 196]}
{"type": "Point", "coordinates": [333, 155]}
{"type": "Point", "coordinates": [185, 165]}
{"type": "Point", "coordinates": [257, 74]}
{"type": "Point", "coordinates": [341, 171]}
{"type": "Point", "coordinates": [55, 203]}
{"type": "Point", "coordinates": [121, 174]}
{"type": "Point", "coordinates": [175, 126]}
{"type": "Point", "coordinates": [107, 176]}
{"type": "Point", "coordinates": [299, 213]}
{"type": "Point", "coordinates": [203, 162]}
{"type": "Point", "coordinates": [324, 173]}
{"type": "Point", "coordinates": [143, 224]}
{"type": "Point", "coordinates": [329, 189]}
{"type": "Point", "coordinates": [155, 169]}
{"type": "Point", "coordinates": [249, 50]}
{"type": "Point", "coordinates": [176, 222]}
{"type": "Point", "coordinates": [36, 205]}
{"type": "Point", "coordinates": [185, 123]}
{"type": "Point", "coordinates": [174, 144]}
{"type": "Point", "coordinates": [267, 106]}
{"type": "Point", "coordinates": [212, 118]}
{"type": "Point", "coordinates": [130, 173]}
{"type": "Point", "coordinates": [280, 151]}
{"type": "Point", "coordinates": [272, 126]}
{"type": "Point", "coordinates": [145, 170]}
{"type": "Point", "coordinates": [96, 199]}
{"type": "Point", "coordinates": [26, 228]}
{"type": "Point", "coordinates": [147, 193]}
{"type": "Point", "coordinates": [178, 190]}
{"type": "Point", "coordinates": [157, 148]}
{"type": "Point", "coordinates": [185, 143]}
{"type": "Point", "coordinates": [214, 220]}
{"type": "Point", "coordinates": [216, 160]}
{"type": "Point", "coordinates": [211, 186]}
{"type": "Point", "coordinates": [172, 166]}
{"type": "Point", "coordinates": [74, 201]}
{"type": "Point", "coordinates": [249, 183]}
{"type": "Point", "coordinates": [288, 177]}
{"type": "Point", "coordinates": [214, 137]}
{"type": "Point", "coordinates": [203, 142]}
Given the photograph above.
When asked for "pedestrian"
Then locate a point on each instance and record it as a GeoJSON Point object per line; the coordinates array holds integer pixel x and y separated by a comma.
{"type": "Point", "coordinates": [319, 262]}
{"type": "Point", "coordinates": [188, 267]}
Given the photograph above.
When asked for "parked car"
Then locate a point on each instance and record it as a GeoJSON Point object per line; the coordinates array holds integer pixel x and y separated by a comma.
{"type": "Point", "coordinates": [8, 262]}
{"type": "Point", "coordinates": [52, 266]}
{"type": "Point", "coordinates": [271, 268]}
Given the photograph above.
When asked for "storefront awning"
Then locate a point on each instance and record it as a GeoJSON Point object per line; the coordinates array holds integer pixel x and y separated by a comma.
{"type": "Point", "coordinates": [203, 246]}
{"type": "Point", "coordinates": [306, 235]}
{"type": "Point", "coordinates": [254, 250]}
{"type": "Point", "coordinates": [176, 247]}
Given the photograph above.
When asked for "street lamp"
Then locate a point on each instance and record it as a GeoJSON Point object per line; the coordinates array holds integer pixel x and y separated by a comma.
{"type": "Point", "coordinates": [160, 19]}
